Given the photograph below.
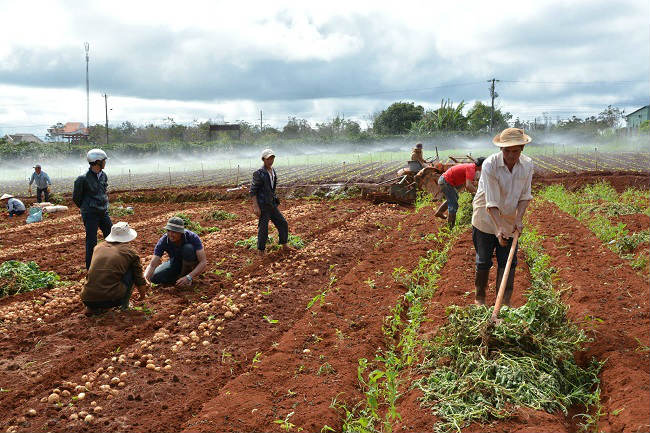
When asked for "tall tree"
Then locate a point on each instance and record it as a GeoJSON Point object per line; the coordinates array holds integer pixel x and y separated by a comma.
{"type": "Point", "coordinates": [397, 118]}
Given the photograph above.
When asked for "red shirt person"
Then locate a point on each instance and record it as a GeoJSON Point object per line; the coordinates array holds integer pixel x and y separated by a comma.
{"type": "Point", "coordinates": [452, 180]}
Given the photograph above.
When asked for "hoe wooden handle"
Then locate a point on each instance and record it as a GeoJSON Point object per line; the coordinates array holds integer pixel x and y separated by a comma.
{"type": "Point", "coordinates": [504, 278]}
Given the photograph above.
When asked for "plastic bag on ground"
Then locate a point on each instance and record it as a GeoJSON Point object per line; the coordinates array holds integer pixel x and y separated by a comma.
{"type": "Point", "coordinates": [35, 215]}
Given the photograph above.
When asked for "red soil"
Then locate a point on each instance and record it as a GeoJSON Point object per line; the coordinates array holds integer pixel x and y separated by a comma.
{"type": "Point", "coordinates": [218, 387]}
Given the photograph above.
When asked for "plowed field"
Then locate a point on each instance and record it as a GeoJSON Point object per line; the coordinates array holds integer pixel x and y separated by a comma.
{"type": "Point", "coordinates": [276, 359]}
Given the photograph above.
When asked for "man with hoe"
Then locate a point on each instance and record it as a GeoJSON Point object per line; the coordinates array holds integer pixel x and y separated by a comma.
{"type": "Point", "coordinates": [451, 181]}
{"type": "Point", "coordinates": [90, 194]}
{"type": "Point", "coordinates": [265, 203]}
{"type": "Point", "coordinates": [187, 258]}
{"type": "Point", "coordinates": [504, 192]}
{"type": "Point", "coordinates": [114, 269]}
{"type": "Point", "coordinates": [43, 183]}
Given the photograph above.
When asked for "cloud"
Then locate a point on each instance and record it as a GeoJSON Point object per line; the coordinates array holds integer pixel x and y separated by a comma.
{"type": "Point", "coordinates": [314, 60]}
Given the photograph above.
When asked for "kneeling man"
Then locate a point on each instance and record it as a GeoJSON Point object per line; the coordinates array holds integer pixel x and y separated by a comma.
{"type": "Point", "coordinates": [114, 269]}
{"type": "Point", "coordinates": [187, 258]}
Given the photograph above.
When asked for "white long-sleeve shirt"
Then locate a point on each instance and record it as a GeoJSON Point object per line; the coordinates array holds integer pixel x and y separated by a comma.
{"type": "Point", "coordinates": [499, 187]}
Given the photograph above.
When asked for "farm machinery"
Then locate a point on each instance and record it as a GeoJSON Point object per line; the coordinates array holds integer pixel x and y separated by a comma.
{"type": "Point", "coordinates": [415, 177]}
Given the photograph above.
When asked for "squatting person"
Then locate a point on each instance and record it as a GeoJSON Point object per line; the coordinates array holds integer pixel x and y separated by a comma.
{"type": "Point", "coordinates": [187, 258]}
{"type": "Point", "coordinates": [14, 206]}
{"type": "Point", "coordinates": [504, 192]}
{"type": "Point", "coordinates": [43, 184]}
{"type": "Point", "coordinates": [451, 181]}
{"type": "Point", "coordinates": [90, 194]}
{"type": "Point", "coordinates": [114, 269]}
{"type": "Point", "coordinates": [266, 202]}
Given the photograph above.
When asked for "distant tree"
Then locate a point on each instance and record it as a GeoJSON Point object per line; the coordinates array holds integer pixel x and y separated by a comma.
{"type": "Point", "coordinates": [611, 117]}
{"type": "Point", "coordinates": [397, 118]}
{"type": "Point", "coordinates": [478, 118]}
{"type": "Point", "coordinates": [644, 126]}
{"type": "Point", "coordinates": [445, 118]}
{"type": "Point", "coordinates": [297, 128]}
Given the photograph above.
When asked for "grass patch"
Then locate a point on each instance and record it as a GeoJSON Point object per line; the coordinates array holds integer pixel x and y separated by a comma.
{"type": "Point", "coordinates": [119, 211]}
{"type": "Point", "coordinates": [272, 244]}
{"type": "Point", "coordinates": [18, 277]}
{"type": "Point", "coordinates": [195, 226]}
{"type": "Point", "coordinates": [221, 215]}
{"type": "Point", "coordinates": [526, 361]}
{"type": "Point", "coordinates": [422, 200]}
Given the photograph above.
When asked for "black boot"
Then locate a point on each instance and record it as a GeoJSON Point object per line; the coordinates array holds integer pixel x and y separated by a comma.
{"type": "Point", "coordinates": [507, 293]}
{"type": "Point", "coordinates": [452, 220]}
{"type": "Point", "coordinates": [481, 282]}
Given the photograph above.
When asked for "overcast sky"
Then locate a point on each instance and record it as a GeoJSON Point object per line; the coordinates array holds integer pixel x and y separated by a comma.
{"type": "Point", "coordinates": [199, 60]}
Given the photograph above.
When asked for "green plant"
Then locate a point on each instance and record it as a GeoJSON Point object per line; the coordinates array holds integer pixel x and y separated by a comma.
{"type": "Point", "coordinates": [18, 277]}
{"type": "Point", "coordinates": [251, 243]}
{"type": "Point", "coordinates": [284, 423]}
{"type": "Point", "coordinates": [270, 320]}
{"type": "Point", "coordinates": [195, 226]}
{"type": "Point", "coordinates": [144, 309]}
{"type": "Point", "coordinates": [221, 215]}
{"type": "Point", "coordinates": [325, 368]}
{"type": "Point", "coordinates": [422, 200]}
{"type": "Point", "coordinates": [119, 211]}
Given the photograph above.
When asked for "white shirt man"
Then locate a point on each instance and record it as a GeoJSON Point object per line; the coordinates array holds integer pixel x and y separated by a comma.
{"type": "Point", "coordinates": [504, 192]}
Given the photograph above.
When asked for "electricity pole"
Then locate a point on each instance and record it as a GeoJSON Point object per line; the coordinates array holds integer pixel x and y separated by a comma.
{"type": "Point", "coordinates": [493, 95]}
{"type": "Point", "coordinates": [261, 126]}
{"type": "Point", "coordinates": [87, 47]}
{"type": "Point", "coordinates": [106, 108]}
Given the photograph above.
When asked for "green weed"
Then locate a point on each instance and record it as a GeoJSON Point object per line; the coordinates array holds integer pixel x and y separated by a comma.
{"type": "Point", "coordinates": [18, 277]}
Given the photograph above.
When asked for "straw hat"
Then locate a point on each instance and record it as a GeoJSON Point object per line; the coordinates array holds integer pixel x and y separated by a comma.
{"type": "Point", "coordinates": [511, 137]}
{"type": "Point", "coordinates": [121, 232]}
{"type": "Point", "coordinates": [266, 153]}
{"type": "Point", "coordinates": [6, 196]}
{"type": "Point", "coordinates": [175, 224]}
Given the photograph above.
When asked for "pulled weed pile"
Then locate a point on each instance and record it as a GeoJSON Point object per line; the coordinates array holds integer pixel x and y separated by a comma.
{"type": "Point", "coordinates": [525, 361]}
{"type": "Point", "coordinates": [18, 277]}
{"type": "Point", "coordinates": [119, 211]}
{"type": "Point", "coordinates": [251, 243]}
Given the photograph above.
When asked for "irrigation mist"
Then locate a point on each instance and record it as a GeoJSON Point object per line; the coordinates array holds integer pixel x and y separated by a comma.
{"type": "Point", "coordinates": [294, 152]}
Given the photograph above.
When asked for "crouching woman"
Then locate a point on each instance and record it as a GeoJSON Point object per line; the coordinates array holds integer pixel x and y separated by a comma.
{"type": "Point", "coordinates": [114, 270]}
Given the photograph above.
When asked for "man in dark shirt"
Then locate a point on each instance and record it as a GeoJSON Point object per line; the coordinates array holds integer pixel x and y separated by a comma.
{"type": "Point", "coordinates": [114, 269]}
{"type": "Point", "coordinates": [187, 258]}
{"type": "Point", "coordinates": [265, 203]}
{"type": "Point", "coordinates": [90, 195]}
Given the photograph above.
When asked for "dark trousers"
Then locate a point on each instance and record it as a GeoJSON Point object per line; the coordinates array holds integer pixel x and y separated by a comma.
{"type": "Point", "coordinates": [16, 212]}
{"type": "Point", "coordinates": [170, 271]}
{"type": "Point", "coordinates": [272, 213]}
{"type": "Point", "coordinates": [39, 193]}
{"type": "Point", "coordinates": [485, 245]}
{"type": "Point", "coordinates": [127, 280]}
{"type": "Point", "coordinates": [93, 221]}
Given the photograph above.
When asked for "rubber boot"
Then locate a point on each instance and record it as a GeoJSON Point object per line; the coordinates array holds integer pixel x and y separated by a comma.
{"type": "Point", "coordinates": [507, 293]}
{"type": "Point", "coordinates": [481, 282]}
{"type": "Point", "coordinates": [452, 220]}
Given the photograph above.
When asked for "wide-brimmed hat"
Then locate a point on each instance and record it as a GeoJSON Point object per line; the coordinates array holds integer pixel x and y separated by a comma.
{"type": "Point", "coordinates": [175, 224]}
{"type": "Point", "coordinates": [511, 137]}
{"type": "Point", "coordinates": [419, 145]}
{"type": "Point", "coordinates": [267, 152]}
{"type": "Point", "coordinates": [121, 232]}
{"type": "Point", "coordinates": [6, 196]}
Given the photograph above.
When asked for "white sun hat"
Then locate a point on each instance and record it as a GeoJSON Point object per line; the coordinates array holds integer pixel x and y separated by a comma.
{"type": "Point", "coordinates": [121, 232]}
{"type": "Point", "coordinates": [4, 196]}
{"type": "Point", "coordinates": [267, 152]}
{"type": "Point", "coordinates": [511, 137]}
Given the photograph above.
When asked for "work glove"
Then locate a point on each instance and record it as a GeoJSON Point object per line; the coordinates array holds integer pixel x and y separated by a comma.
{"type": "Point", "coordinates": [48, 188]}
{"type": "Point", "coordinates": [30, 191]}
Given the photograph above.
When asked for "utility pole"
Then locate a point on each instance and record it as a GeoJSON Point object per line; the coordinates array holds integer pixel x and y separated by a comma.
{"type": "Point", "coordinates": [87, 47]}
{"type": "Point", "coordinates": [261, 125]}
{"type": "Point", "coordinates": [106, 108]}
{"type": "Point", "coordinates": [493, 95]}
